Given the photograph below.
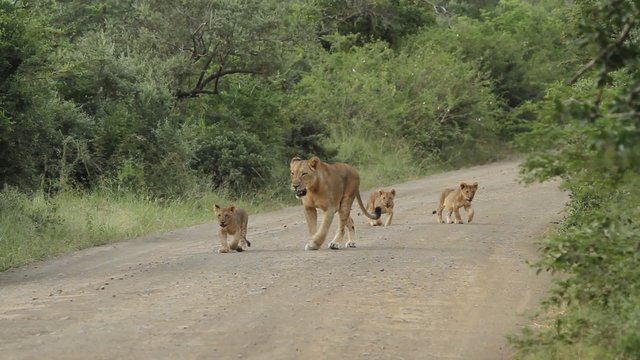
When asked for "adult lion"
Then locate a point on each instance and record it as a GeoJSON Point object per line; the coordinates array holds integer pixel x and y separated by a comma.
{"type": "Point", "coordinates": [331, 188]}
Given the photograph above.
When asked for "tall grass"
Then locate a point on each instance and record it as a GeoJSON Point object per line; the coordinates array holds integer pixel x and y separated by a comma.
{"type": "Point", "coordinates": [35, 227]}
{"type": "Point", "coordinates": [38, 226]}
{"type": "Point", "coordinates": [380, 162]}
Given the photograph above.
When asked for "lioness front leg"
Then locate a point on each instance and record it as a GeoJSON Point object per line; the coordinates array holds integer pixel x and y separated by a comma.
{"type": "Point", "coordinates": [224, 245]}
{"type": "Point", "coordinates": [320, 236]}
{"type": "Point", "coordinates": [470, 212]}
{"type": "Point", "coordinates": [311, 216]}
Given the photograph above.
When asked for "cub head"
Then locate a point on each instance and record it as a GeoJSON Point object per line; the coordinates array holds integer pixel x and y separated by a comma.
{"type": "Point", "coordinates": [468, 190]}
{"type": "Point", "coordinates": [225, 215]}
{"type": "Point", "coordinates": [386, 198]}
{"type": "Point", "coordinates": [303, 175]}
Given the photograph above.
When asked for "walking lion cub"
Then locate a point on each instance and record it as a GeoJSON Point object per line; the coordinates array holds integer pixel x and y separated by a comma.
{"type": "Point", "coordinates": [454, 199]}
{"type": "Point", "coordinates": [233, 221]}
{"type": "Point", "coordinates": [383, 200]}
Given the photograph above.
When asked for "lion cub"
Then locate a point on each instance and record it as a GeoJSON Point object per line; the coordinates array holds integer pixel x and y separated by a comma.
{"type": "Point", "coordinates": [383, 200]}
{"type": "Point", "coordinates": [454, 199]}
{"type": "Point", "coordinates": [233, 221]}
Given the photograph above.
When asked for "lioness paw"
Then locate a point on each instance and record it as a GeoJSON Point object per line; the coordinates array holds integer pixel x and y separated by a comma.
{"type": "Point", "coordinates": [311, 247]}
{"type": "Point", "coordinates": [351, 244]}
{"type": "Point", "coordinates": [223, 251]}
{"type": "Point", "coordinates": [334, 246]}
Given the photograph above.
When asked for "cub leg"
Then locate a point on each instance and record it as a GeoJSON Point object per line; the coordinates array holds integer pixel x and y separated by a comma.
{"type": "Point", "coordinates": [389, 217]}
{"type": "Point", "coordinates": [235, 243]}
{"type": "Point", "coordinates": [448, 215]}
{"type": "Point", "coordinates": [456, 212]}
{"type": "Point", "coordinates": [469, 211]}
{"type": "Point", "coordinates": [439, 212]}
{"type": "Point", "coordinates": [224, 246]}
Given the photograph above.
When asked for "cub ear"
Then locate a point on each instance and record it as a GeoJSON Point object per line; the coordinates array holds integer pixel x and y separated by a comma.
{"type": "Point", "coordinates": [380, 191]}
{"type": "Point", "coordinates": [463, 185]}
{"type": "Point", "coordinates": [314, 161]}
{"type": "Point", "coordinates": [475, 185]}
{"type": "Point", "coordinates": [393, 192]}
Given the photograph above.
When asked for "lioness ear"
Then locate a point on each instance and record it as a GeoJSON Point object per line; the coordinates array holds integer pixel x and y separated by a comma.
{"type": "Point", "coordinates": [232, 207]}
{"type": "Point", "coordinates": [216, 207]}
{"type": "Point", "coordinates": [314, 161]}
{"type": "Point", "coordinates": [295, 159]}
{"type": "Point", "coordinates": [393, 192]}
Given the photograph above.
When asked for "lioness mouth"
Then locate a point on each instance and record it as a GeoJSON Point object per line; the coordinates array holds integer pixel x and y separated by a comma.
{"type": "Point", "coordinates": [301, 193]}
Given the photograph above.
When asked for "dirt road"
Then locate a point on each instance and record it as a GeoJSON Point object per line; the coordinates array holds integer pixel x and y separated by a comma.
{"type": "Point", "coordinates": [414, 290]}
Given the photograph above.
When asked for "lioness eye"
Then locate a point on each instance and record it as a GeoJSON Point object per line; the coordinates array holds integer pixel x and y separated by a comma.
{"type": "Point", "coordinates": [304, 174]}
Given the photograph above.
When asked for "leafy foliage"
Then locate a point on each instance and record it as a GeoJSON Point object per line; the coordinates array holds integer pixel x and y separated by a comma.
{"type": "Point", "coordinates": [588, 134]}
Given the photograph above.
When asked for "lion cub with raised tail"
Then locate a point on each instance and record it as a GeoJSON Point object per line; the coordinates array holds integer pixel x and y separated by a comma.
{"type": "Point", "coordinates": [233, 221]}
{"type": "Point", "coordinates": [383, 200]}
{"type": "Point", "coordinates": [454, 199]}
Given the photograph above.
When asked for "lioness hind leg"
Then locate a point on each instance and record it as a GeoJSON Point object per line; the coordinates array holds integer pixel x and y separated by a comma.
{"type": "Point", "coordinates": [351, 233]}
{"type": "Point", "coordinates": [335, 243]}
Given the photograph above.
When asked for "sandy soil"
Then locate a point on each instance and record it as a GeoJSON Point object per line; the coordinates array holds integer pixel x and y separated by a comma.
{"type": "Point", "coordinates": [414, 290]}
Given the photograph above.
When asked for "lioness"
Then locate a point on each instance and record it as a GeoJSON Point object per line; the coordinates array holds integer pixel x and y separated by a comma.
{"type": "Point", "coordinates": [454, 199]}
{"type": "Point", "coordinates": [331, 188]}
{"type": "Point", "coordinates": [383, 200]}
{"type": "Point", "coordinates": [233, 221]}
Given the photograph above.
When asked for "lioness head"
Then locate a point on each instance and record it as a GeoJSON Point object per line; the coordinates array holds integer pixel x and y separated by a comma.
{"type": "Point", "coordinates": [303, 175]}
{"type": "Point", "coordinates": [468, 190]}
{"type": "Point", "coordinates": [225, 215]}
{"type": "Point", "coordinates": [386, 198]}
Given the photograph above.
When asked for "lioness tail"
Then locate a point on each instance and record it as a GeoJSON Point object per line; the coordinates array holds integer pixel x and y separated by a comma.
{"type": "Point", "coordinates": [377, 210]}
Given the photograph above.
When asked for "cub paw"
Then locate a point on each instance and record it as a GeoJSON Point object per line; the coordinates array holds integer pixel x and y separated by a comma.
{"type": "Point", "coordinates": [334, 246]}
{"type": "Point", "coordinates": [239, 249]}
{"type": "Point", "coordinates": [351, 244]}
{"type": "Point", "coordinates": [311, 247]}
{"type": "Point", "coordinates": [223, 251]}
